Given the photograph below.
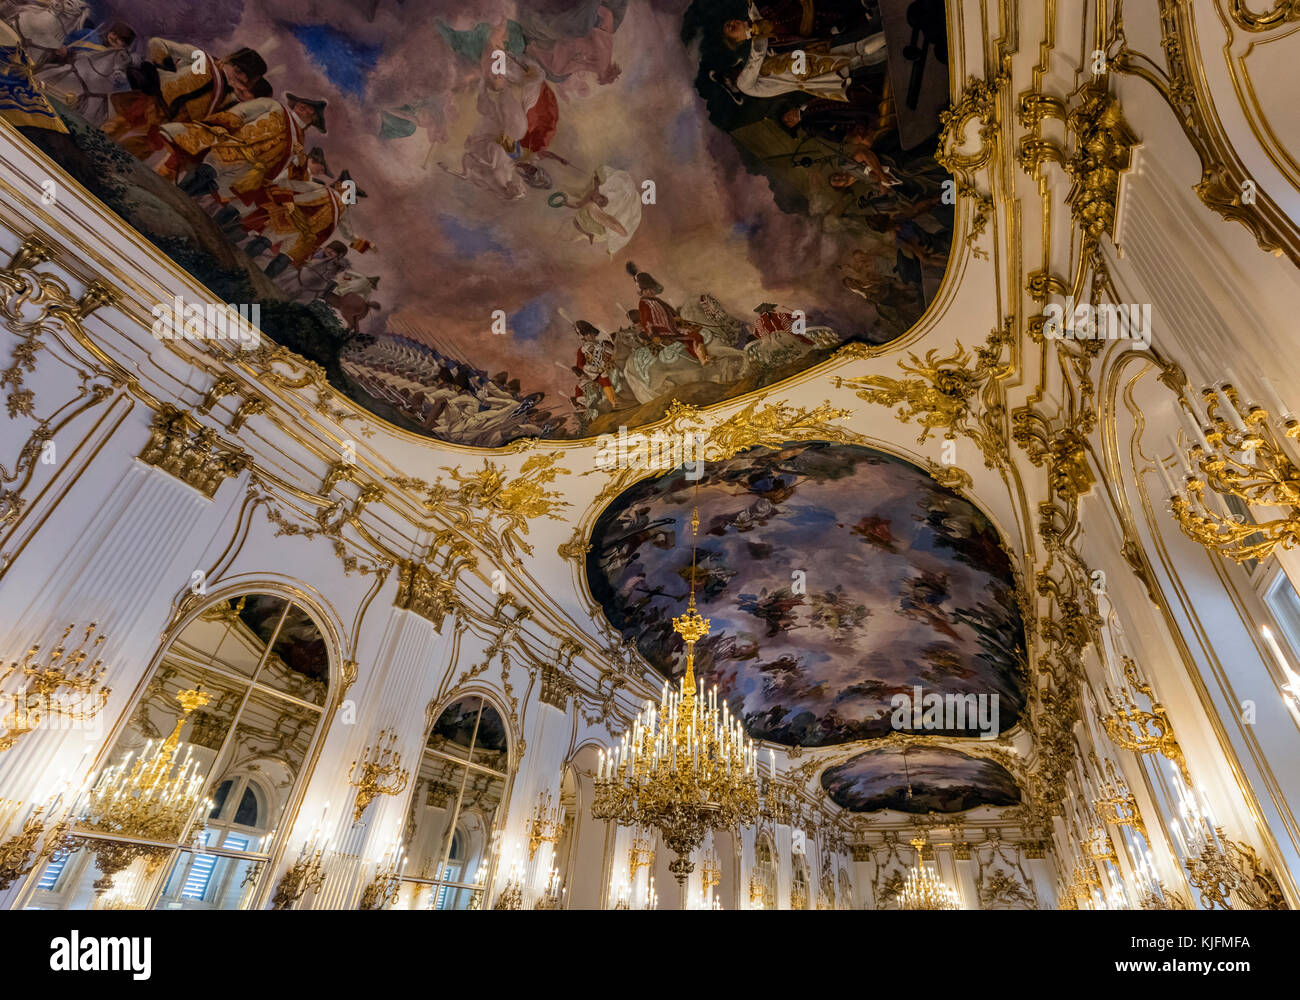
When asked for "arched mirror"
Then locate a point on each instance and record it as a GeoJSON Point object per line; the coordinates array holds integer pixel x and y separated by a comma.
{"type": "Point", "coordinates": [205, 770]}
{"type": "Point", "coordinates": [844, 901]}
{"type": "Point", "coordinates": [762, 883]}
{"type": "Point", "coordinates": [799, 885]}
{"type": "Point", "coordinates": [455, 805]}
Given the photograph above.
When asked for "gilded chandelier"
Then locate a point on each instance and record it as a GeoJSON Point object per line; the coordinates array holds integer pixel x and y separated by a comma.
{"type": "Point", "coordinates": [683, 767]}
{"type": "Point", "coordinates": [1238, 452]}
{"type": "Point", "coordinates": [154, 796]}
{"type": "Point", "coordinates": [924, 890]}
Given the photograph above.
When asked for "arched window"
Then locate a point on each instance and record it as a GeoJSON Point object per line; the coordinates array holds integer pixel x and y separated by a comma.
{"type": "Point", "coordinates": [205, 769]}
{"type": "Point", "coordinates": [762, 884]}
{"type": "Point", "coordinates": [799, 885]}
{"type": "Point", "coordinates": [454, 807]}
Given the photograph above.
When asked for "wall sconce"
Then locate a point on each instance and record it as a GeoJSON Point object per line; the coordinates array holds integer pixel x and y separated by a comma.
{"type": "Point", "coordinates": [377, 772]}
{"type": "Point", "coordinates": [57, 687]}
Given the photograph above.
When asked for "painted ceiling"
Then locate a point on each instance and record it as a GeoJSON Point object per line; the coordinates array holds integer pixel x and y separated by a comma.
{"type": "Point", "coordinates": [837, 578]}
{"type": "Point", "coordinates": [490, 219]}
{"type": "Point", "coordinates": [919, 780]}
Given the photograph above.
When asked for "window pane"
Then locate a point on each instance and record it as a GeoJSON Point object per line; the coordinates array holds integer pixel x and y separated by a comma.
{"type": "Point", "coordinates": [50, 877]}
{"type": "Point", "coordinates": [299, 661]}
{"type": "Point", "coordinates": [219, 798]}
{"type": "Point", "coordinates": [103, 875]}
{"type": "Point", "coordinates": [429, 820]}
{"type": "Point", "coordinates": [210, 882]}
{"type": "Point", "coordinates": [247, 812]}
{"type": "Point", "coordinates": [271, 739]}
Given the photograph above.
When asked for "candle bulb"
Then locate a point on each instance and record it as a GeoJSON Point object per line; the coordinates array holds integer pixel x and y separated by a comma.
{"type": "Point", "coordinates": [1194, 429]}
{"type": "Point", "coordinates": [1281, 412]}
{"type": "Point", "coordinates": [1228, 411]}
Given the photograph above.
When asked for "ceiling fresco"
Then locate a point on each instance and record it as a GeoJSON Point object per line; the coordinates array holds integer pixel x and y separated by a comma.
{"type": "Point", "coordinates": [837, 578]}
{"type": "Point", "coordinates": [919, 780]}
{"type": "Point", "coordinates": [489, 220]}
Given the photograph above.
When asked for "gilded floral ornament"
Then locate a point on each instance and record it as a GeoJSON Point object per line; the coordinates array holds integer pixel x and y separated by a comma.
{"type": "Point", "coordinates": [943, 392]}
{"type": "Point", "coordinates": [758, 425]}
{"type": "Point", "coordinates": [490, 505]}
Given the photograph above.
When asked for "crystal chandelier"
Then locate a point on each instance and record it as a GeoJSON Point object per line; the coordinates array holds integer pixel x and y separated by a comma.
{"type": "Point", "coordinates": [924, 890]}
{"type": "Point", "coordinates": [684, 767]}
{"type": "Point", "coordinates": [154, 796]}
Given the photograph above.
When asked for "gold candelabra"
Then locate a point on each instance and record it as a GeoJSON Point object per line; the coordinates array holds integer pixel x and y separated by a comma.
{"type": "Point", "coordinates": [1236, 451]}
{"type": "Point", "coordinates": [1135, 729]}
{"type": "Point", "coordinates": [552, 897]}
{"type": "Point", "coordinates": [377, 772]}
{"type": "Point", "coordinates": [641, 854]}
{"type": "Point", "coordinates": [61, 686]}
{"type": "Point", "coordinates": [511, 898]}
{"type": "Point", "coordinates": [382, 889]}
{"type": "Point", "coordinates": [685, 766]}
{"type": "Point", "coordinates": [1227, 873]}
{"type": "Point", "coordinates": [1116, 805]}
{"type": "Point", "coordinates": [710, 870]}
{"type": "Point", "coordinates": [760, 898]}
{"type": "Point", "coordinates": [1099, 846]}
{"type": "Point", "coordinates": [544, 824]}
{"type": "Point", "coordinates": [1084, 889]}
{"type": "Point", "coordinates": [30, 843]}
{"type": "Point", "coordinates": [153, 797]}
{"type": "Point", "coordinates": [626, 898]}
{"type": "Point", "coordinates": [923, 888]}
{"type": "Point", "coordinates": [306, 873]}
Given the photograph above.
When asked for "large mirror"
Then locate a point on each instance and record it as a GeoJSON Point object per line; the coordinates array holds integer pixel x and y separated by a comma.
{"type": "Point", "coordinates": [455, 806]}
{"type": "Point", "coordinates": [206, 770]}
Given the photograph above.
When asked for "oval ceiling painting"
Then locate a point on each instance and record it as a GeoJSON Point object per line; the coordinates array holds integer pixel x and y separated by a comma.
{"type": "Point", "coordinates": [496, 219]}
{"type": "Point", "coordinates": [919, 780]}
{"type": "Point", "coordinates": [842, 585]}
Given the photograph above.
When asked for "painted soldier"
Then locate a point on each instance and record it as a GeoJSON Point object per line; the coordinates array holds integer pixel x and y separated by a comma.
{"type": "Point", "coordinates": [659, 322]}
{"type": "Point", "coordinates": [181, 82]}
{"type": "Point", "coordinates": [248, 146]}
{"type": "Point", "coordinates": [595, 364]}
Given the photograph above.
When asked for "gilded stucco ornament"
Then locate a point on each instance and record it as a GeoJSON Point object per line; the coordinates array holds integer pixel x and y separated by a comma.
{"type": "Point", "coordinates": [967, 143]}
{"type": "Point", "coordinates": [1099, 151]}
{"type": "Point", "coordinates": [490, 505]}
{"type": "Point", "coordinates": [182, 447]}
{"type": "Point", "coordinates": [1282, 12]}
{"type": "Point", "coordinates": [942, 393]}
